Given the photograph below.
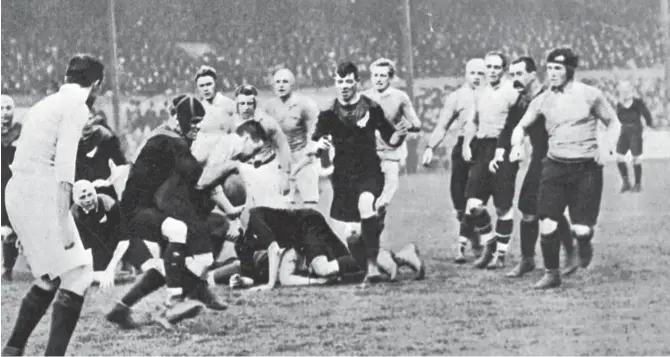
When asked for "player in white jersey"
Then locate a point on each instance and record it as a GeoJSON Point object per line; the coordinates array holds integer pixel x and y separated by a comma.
{"type": "Point", "coordinates": [219, 109]}
{"type": "Point", "coordinates": [38, 204]}
{"type": "Point", "coordinates": [397, 107]}
{"type": "Point", "coordinates": [297, 115]}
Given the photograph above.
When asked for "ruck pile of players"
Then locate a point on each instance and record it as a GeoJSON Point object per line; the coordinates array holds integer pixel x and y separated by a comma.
{"type": "Point", "coordinates": [218, 158]}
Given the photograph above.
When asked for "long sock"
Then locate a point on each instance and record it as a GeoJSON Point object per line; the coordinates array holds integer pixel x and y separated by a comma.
{"type": "Point", "coordinates": [9, 254]}
{"type": "Point", "coordinates": [503, 235]}
{"type": "Point", "coordinates": [33, 307]}
{"type": "Point", "coordinates": [623, 170]}
{"type": "Point", "coordinates": [637, 169]}
{"type": "Point", "coordinates": [348, 265]}
{"type": "Point", "coordinates": [467, 228]}
{"type": "Point", "coordinates": [191, 282]}
{"type": "Point", "coordinates": [357, 250]}
{"type": "Point", "coordinates": [551, 249]}
{"type": "Point", "coordinates": [371, 230]}
{"type": "Point", "coordinates": [482, 225]}
{"type": "Point", "coordinates": [175, 267]}
{"type": "Point", "coordinates": [529, 232]}
{"type": "Point", "coordinates": [65, 316]}
{"type": "Point", "coordinates": [565, 234]}
{"type": "Point", "coordinates": [150, 281]}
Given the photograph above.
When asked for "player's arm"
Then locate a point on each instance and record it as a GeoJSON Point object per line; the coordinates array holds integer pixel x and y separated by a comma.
{"type": "Point", "coordinates": [287, 271]}
{"type": "Point", "coordinates": [604, 111]}
{"type": "Point", "coordinates": [220, 162]}
{"type": "Point", "coordinates": [222, 201]}
{"type": "Point", "coordinates": [274, 258]}
{"type": "Point", "coordinates": [310, 115]}
{"type": "Point", "coordinates": [388, 133]}
{"type": "Point", "coordinates": [69, 134]}
{"type": "Point", "coordinates": [447, 117]}
{"type": "Point", "coordinates": [531, 115]}
{"type": "Point", "coordinates": [409, 113]}
{"type": "Point", "coordinates": [322, 130]}
{"type": "Point", "coordinates": [646, 114]}
{"type": "Point", "coordinates": [281, 143]}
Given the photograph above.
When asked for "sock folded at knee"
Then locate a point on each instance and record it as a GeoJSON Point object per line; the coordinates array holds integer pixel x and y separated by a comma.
{"type": "Point", "coordinates": [66, 312]}
{"type": "Point", "coordinates": [481, 221]}
{"type": "Point", "coordinates": [551, 249]}
{"type": "Point", "coordinates": [371, 230]}
{"type": "Point", "coordinates": [503, 234]}
{"type": "Point", "coordinates": [529, 232]}
{"type": "Point", "coordinates": [34, 305]}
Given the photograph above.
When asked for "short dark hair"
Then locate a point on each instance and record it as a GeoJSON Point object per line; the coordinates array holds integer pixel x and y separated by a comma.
{"type": "Point", "coordinates": [347, 68]}
{"type": "Point", "coordinates": [500, 55]}
{"type": "Point", "coordinates": [205, 71]}
{"type": "Point", "coordinates": [254, 129]}
{"type": "Point", "coordinates": [84, 70]}
{"type": "Point", "coordinates": [529, 63]}
{"type": "Point", "coordinates": [246, 89]}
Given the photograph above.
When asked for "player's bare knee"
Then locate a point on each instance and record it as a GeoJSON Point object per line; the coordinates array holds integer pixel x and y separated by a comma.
{"type": "Point", "coordinates": [154, 263]}
{"type": "Point", "coordinates": [505, 214]}
{"type": "Point", "coordinates": [78, 280]}
{"type": "Point", "coordinates": [636, 160]}
{"type": "Point", "coordinates": [548, 226]}
{"type": "Point", "coordinates": [528, 217]}
{"type": "Point", "coordinates": [174, 230]}
{"type": "Point", "coordinates": [320, 266]}
{"type": "Point", "coordinates": [474, 206]}
{"type": "Point", "coordinates": [199, 263]}
{"type": "Point", "coordinates": [366, 203]}
{"type": "Point", "coordinates": [581, 230]}
{"type": "Point", "coordinates": [620, 158]}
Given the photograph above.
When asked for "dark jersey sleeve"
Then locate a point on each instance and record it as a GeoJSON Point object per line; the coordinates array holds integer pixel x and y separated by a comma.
{"type": "Point", "coordinates": [322, 125]}
{"type": "Point", "coordinates": [513, 117]}
{"type": "Point", "coordinates": [644, 111]}
{"type": "Point", "coordinates": [383, 125]}
{"type": "Point", "coordinates": [113, 147]}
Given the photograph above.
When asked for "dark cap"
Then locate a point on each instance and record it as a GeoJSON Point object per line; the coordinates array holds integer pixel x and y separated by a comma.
{"type": "Point", "coordinates": [564, 56]}
{"type": "Point", "coordinates": [84, 69]}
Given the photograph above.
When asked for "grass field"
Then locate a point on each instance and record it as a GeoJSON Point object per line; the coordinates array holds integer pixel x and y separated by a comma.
{"type": "Point", "coordinates": [619, 305]}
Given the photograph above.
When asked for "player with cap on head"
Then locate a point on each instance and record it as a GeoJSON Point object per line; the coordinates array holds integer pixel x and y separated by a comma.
{"type": "Point", "coordinates": [41, 188]}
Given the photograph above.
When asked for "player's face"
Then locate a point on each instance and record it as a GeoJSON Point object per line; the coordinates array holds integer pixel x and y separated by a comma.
{"type": "Point", "coordinates": [494, 69]}
{"type": "Point", "coordinates": [346, 86]}
{"type": "Point", "coordinates": [194, 129]}
{"type": "Point", "coordinates": [626, 91]}
{"type": "Point", "coordinates": [556, 74]}
{"type": "Point", "coordinates": [205, 87]}
{"type": "Point", "coordinates": [283, 84]}
{"type": "Point", "coordinates": [7, 114]}
{"type": "Point", "coordinates": [246, 105]}
{"type": "Point", "coordinates": [522, 79]}
{"type": "Point", "coordinates": [475, 76]}
{"type": "Point", "coordinates": [380, 77]}
{"type": "Point", "coordinates": [86, 199]}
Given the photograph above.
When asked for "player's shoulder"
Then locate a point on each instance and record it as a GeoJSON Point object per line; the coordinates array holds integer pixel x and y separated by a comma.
{"type": "Point", "coordinates": [107, 202]}
{"type": "Point", "coordinates": [369, 102]}
{"type": "Point", "coordinates": [399, 93]}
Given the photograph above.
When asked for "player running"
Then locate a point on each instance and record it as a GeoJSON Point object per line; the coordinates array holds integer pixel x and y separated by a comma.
{"type": "Point", "coordinates": [10, 134]}
{"type": "Point", "coordinates": [572, 173]}
{"type": "Point", "coordinates": [630, 111]}
{"type": "Point", "coordinates": [38, 205]}
{"type": "Point", "coordinates": [219, 109]}
{"type": "Point", "coordinates": [459, 106]}
{"type": "Point", "coordinates": [297, 115]}
{"type": "Point", "coordinates": [350, 125]}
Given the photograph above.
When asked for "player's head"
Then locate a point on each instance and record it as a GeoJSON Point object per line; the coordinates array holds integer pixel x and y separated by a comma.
{"type": "Point", "coordinates": [188, 112]}
{"type": "Point", "coordinates": [496, 63]}
{"type": "Point", "coordinates": [523, 71]}
{"type": "Point", "coordinates": [283, 80]}
{"type": "Point", "coordinates": [382, 72]}
{"type": "Point", "coordinates": [246, 100]}
{"type": "Point", "coordinates": [253, 138]}
{"type": "Point", "coordinates": [561, 65]}
{"type": "Point", "coordinates": [84, 195]}
{"type": "Point", "coordinates": [626, 90]}
{"type": "Point", "coordinates": [205, 82]}
{"type": "Point", "coordinates": [346, 80]}
{"type": "Point", "coordinates": [7, 105]}
{"type": "Point", "coordinates": [475, 71]}
{"type": "Point", "coordinates": [85, 71]}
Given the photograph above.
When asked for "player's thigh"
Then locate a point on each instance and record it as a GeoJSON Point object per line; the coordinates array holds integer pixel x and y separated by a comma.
{"type": "Point", "coordinates": [198, 239]}
{"type": "Point", "coordinates": [344, 206]}
{"type": "Point", "coordinates": [528, 196]}
{"type": "Point", "coordinates": [505, 185]}
{"type": "Point", "coordinates": [391, 170]}
{"type": "Point", "coordinates": [144, 224]}
{"type": "Point", "coordinates": [139, 252]}
{"type": "Point", "coordinates": [636, 143]}
{"type": "Point", "coordinates": [585, 195]}
{"type": "Point", "coordinates": [307, 182]}
{"type": "Point", "coordinates": [623, 144]}
{"type": "Point", "coordinates": [553, 193]}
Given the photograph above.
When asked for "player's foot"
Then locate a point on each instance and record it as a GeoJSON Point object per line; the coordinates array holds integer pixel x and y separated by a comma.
{"type": "Point", "coordinates": [550, 279]}
{"type": "Point", "coordinates": [637, 188]}
{"type": "Point", "coordinates": [487, 255]}
{"type": "Point", "coordinates": [373, 274]}
{"type": "Point", "coordinates": [238, 281]}
{"type": "Point", "coordinates": [204, 294]}
{"type": "Point", "coordinates": [177, 310]}
{"type": "Point", "coordinates": [6, 275]}
{"type": "Point", "coordinates": [411, 257]}
{"type": "Point", "coordinates": [498, 262]}
{"type": "Point", "coordinates": [387, 264]}
{"type": "Point", "coordinates": [625, 187]}
{"type": "Point", "coordinates": [526, 265]}
{"type": "Point", "coordinates": [477, 250]}
{"type": "Point", "coordinates": [585, 252]}
{"type": "Point", "coordinates": [12, 351]}
{"type": "Point", "coordinates": [571, 265]}
{"type": "Point", "coordinates": [121, 315]}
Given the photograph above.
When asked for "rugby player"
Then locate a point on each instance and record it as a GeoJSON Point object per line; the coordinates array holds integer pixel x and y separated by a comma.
{"type": "Point", "coordinates": [459, 106]}
{"type": "Point", "coordinates": [10, 134]}
{"type": "Point", "coordinates": [630, 111]}
{"type": "Point", "coordinates": [523, 72]}
{"type": "Point", "coordinates": [572, 173]}
{"type": "Point", "coordinates": [350, 125]}
{"type": "Point", "coordinates": [219, 109]}
{"type": "Point", "coordinates": [494, 103]}
{"type": "Point", "coordinates": [41, 188]}
{"type": "Point", "coordinates": [296, 115]}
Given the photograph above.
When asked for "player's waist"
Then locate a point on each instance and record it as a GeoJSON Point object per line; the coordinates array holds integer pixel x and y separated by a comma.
{"type": "Point", "coordinates": [19, 168]}
{"type": "Point", "coordinates": [573, 161]}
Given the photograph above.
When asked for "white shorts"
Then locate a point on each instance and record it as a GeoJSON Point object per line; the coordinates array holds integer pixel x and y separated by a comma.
{"type": "Point", "coordinates": [305, 183]}
{"type": "Point", "coordinates": [391, 170]}
{"type": "Point", "coordinates": [262, 184]}
{"type": "Point", "coordinates": [32, 208]}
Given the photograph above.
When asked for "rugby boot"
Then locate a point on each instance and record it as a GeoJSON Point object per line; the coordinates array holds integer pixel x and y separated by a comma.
{"type": "Point", "coordinates": [372, 275]}
{"type": "Point", "coordinates": [570, 264]}
{"type": "Point", "coordinates": [498, 262]}
{"type": "Point", "coordinates": [460, 255]}
{"type": "Point", "coordinates": [177, 309]}
{"type": "Point", "coordinates": [625, 186]}
{"type": "Point", "coordinates": [121, 315]}
{"type": "Point", "coordinates": [585, 252]}
{"type": "Point", "coordinates": [411, 257]}
{"type": "Point", "coordinates": [487, 255]}
{"type": "Point", "coordinates": [387, 264]}
{"type": "Point", "coordinates": [12, 351]}
{"type": "Point", "coordinates": [637, 188]}
{"type": "Point", "coordinates": [205, 295]}
{"type": "Point", "coordinates": [550, 279]}
{"type": "Point", "coordinates": [526, 265]}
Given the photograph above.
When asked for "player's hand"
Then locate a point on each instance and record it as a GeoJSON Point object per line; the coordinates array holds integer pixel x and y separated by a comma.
{"type": "Point", "coordinates": [105, 279]}
{"type": "Point", "coordinates": [467, 153]}
{"type": "Point", "coordinates": [324, 144]}
{"type": "Point", "coordinates": [403, 127]}
{"type": "Point", "coordinates": [101, 183]}
{"type": "Point", "coordinates": [67, 235]}
{"type": "Point", "coordinates": [495, 163]}
{"type": "Point", "coordinates": [516, 153]}
{"type": "Point", "coordinates": [427, 157]}
{"type": "Point", "coordinates": [284, 185]}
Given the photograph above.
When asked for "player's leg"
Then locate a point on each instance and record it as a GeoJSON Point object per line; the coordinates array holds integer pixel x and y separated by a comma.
{"type": "Point", "coordinates": [622, 147]}
{"type": "Point", "coordinates": [480, 186]}
{"type": "Point", "coordinates": [459, 177]}
{"type": "Point", "coordinates": [584, 201]}
{"type": "Point", "coordinates": [529, 226]}
{"type": "Point", "coordinates": [505, 182]}
{"type": "Point", "coordinates": [371, 225]}
{"type": "Point", "coordinates": [10, 252]}
{"type": "Point", "coordinates": [636, 151]}
{"type": "Point", "coordinates": [307, 184]}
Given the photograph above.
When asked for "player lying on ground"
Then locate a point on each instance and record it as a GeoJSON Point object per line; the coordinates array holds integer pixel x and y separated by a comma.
{"type": "Point", "coordinates": [298, 247]}
{"type": "Point", "coordinates": [38, 205]}
{"type": "Point", "coordinates": [572, 174]}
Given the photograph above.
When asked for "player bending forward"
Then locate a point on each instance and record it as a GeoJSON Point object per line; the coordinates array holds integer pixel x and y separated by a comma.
{"type": "Point", "coordinates": [572, 174]}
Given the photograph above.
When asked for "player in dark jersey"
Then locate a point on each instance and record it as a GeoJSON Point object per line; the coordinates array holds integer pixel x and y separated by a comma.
{"type": "Point", "coordinates": [10, 133]}
{"type": "Point", "coordinates": [349, 125]}
{"type": "Point", "coordinates": [523, 72]}
{"type": "Point", "coordinates": [631, 110]}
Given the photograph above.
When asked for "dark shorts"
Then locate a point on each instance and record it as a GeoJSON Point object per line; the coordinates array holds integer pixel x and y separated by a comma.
{"type": "Point", "coordinates": [319, 239]}
{"type": "Point", "coordinates": [577, 186]}
{"type": "Point", "coordinates": [629, 139]}
{"type": "Point", "coordinates": [348, 189]}
{"type": "Point", "coordinates": [531, 187]}
{"type": "Point", "coordinates": [483, 184]}
{"type": "Point", "coordinates": [460, 169]}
